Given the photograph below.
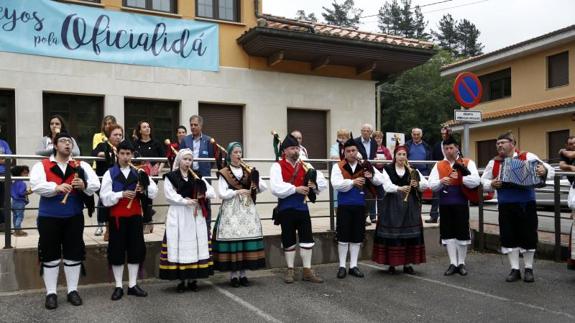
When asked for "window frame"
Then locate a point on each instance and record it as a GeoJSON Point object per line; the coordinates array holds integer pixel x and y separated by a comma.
{"type": "Point", "coordinates": [549, 69]}
{"type": "Point", "coordinates": [490, 79]}
{"type": "Point", "coordinates": [149, 6]}
{"type": "Point", "coordinates": [215, 11]}
{"type": "Point", "coordinates": [8, 133]}
{"type": "Point", "coordinates": [150, 105]}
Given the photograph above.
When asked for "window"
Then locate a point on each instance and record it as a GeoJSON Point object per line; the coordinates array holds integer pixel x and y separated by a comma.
{"type": "Point", "coordinates": [219, 9]}
{"type": "Point", "coordinates": [555, 141]}
{"type": "Point", "coordinates": [7, 120]}
{"type": "Point", "coordinates": [486, 150]}
{"type": "Point", "coordinates": [83, 115]}
{"type": "Point", "coordinates": [223, 122]}
{"type": "Point", "coordinates": [558, 70]}
{"type": "Point", "coordinates": [313, 127]}
{"type": "Point", "coordinates": [158, 5]}
{"type": "Point", "coordinates": [496, 85]}
{"type": "Point", "coordinates": [162, 115]}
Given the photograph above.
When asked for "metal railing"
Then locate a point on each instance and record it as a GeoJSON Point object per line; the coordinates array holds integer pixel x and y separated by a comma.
{"type": "Point", "coordinates": [7, 181]}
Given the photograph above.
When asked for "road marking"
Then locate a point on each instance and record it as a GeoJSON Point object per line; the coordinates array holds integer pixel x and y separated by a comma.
{"type": "Point", "coordinates": [245, 304]}
{"type": "Point", "coordinates": [473, 291]}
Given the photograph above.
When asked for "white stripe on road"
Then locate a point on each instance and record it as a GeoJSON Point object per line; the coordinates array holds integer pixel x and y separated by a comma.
{"type": "Point", "coordinates": [245, 304]}
{"type": "Point", "coordinates": [473, 291]}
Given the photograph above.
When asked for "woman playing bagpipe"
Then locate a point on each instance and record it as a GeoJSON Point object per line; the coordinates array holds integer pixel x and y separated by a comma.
{"type": "Point", "coordinates": [399, 232]}
{"type": "Point", "coordinates": [238, 240]}
{"type": "Point", "coordinates": [185, 254]}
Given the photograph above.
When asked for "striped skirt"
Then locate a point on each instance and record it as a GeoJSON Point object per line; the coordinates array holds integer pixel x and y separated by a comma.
{"type": "Point", "coordinates": [203, 268]}
{"type": "Point", "coordinates": [239, 255]}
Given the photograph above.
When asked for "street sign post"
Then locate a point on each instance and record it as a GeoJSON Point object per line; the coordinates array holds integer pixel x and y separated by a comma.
{"type": "Point", "coordinates": [467, 90]}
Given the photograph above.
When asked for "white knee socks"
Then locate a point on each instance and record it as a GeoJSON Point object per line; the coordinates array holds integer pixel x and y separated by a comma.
{"type": "Point", "coordinates": [461, 254]}
{"type": "Point", "coordinates": [514, 258]}
{"type": "Point", "coordinates": [72, 272]}
{"type": "Point", "coordinates": [528, 259]}
{"type": "Point", "coordinates": [342, 248]}
{"type": "Point", "coordinates": [50, 275]}
{"type": "Point", "coordinates": [305, 257]}
{"type": "Point", "coordinates": [118, 273]}
{"type": "Point", "coordinates": [290, 257]}
{"type": "Point", "coordinates": [452, 252]}
{"type": "Point", "coordinates": [133, 274]}
{"type": "Point", "coordinates": [353, 254]}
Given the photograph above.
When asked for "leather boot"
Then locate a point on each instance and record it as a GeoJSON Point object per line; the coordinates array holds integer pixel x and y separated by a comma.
{"type": "Point", "coordinates": [310, 276]}
{"type": "Point", "coordinates": [289, 277]}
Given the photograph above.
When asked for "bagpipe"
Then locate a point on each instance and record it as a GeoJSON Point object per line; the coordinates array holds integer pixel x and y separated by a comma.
{"type": "Point", "coordinates": [88, 200]}
{"type": "Point", "coordinates": [253, 174]}
{"type": "Point", "coordinates": [472, 194]}
{"type": "Point", "coordinates": [413, 175]}
{"type": "Point", "coordinates": [310, 172]}
{"type": "Point", "coordinates": [146, 203]}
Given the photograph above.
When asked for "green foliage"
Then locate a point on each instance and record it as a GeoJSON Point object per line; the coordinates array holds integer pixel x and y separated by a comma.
{"type": "Point", "coordinates": [301, 15]}
{"type": "Point", "coordinates": [344, 14]}
{"type": "Point", "coordinates": [460, 38]}
{"type": "Point", "coordinates": [402, 20]}
{"type": "Point", "coordinates": [419, 98]}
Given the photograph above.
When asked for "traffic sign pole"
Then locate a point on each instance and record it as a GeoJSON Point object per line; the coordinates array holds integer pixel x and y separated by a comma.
{"type": "Point", "coordinates": [468, 91]}
{"type": "Point", "coordinates": [465, 138]}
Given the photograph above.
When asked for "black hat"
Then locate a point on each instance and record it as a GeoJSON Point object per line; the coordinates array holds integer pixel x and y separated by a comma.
{"type": "Point", "coordinates": [127, 145]}
{"type": "Point", "coordinates": [289, 141]}
{"type": "Point", "coordinates": [450, 141]}
{"type": "Point", "coordinates": [61, 134]}
{"type": "Point", "coordinates": [349, 143]}
{"type": "Point", "coordinates": [507, 135]}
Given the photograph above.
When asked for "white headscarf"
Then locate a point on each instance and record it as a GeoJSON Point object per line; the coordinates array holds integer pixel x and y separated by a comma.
{"type": "Point", "coordinates": [180, 155]}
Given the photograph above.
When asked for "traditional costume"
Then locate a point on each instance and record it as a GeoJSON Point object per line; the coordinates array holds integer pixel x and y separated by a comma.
{"type": "Point", "coordinates": [292, 211]}
{"type": "Point", "coordinates": [126, 240]}
{"type": "Point", "coordinates": [454, 206]}
{"type": "Point", "coordinates": [399, 233]}
{"type": "Point", "coordinates": [238, 240]}
{"type": "Point", "coordinates": [61, 225]}
{"type": "Point", "coordinates": [351, 210]}
{"type": "Point", "coordinates": [517, 214]}
{"type": "Point", "coordinates": [185, 253]}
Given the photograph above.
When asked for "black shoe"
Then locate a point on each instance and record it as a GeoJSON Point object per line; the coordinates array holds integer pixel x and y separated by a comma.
{"type": "Point", "coordinates": [74, 298]}
{"type": "Point", "coordinates": [356, 272]}
{"type": "Point", "coordinates": [234, 282]}
{"type": "Point", "coordinates": [51, 301]}
{"type": "Point", "coordinates": [137, 291]}
{"type": "Point", "coordinates": [408, 270]}
{"type": "Point", "coordinates": [462, 270]}
{"type": "Point", "coordinates": [391, 270]}
{"type": "Point", "coordinates": [193, 286]}
{"type": "Point", "coordinates": [117, 294]}
{"type": "Point", "coordinates": [181, 287]}
{"type": "Point", "coordinates": [431, 221]}
{"type": "Point", "coordinates": [341, 272]}
{"type": "Point", "coordinates": [513, 276]}
{"type": "Point", "coordinates": [528, 275]}
{"type": "Point", "coordinates": [452, 269]}
{"type": "Point", "coordinates": [244, 281]}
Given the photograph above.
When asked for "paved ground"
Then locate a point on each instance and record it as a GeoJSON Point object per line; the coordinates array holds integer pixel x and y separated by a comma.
{"type": "Point", "coordinates": [483, 296]}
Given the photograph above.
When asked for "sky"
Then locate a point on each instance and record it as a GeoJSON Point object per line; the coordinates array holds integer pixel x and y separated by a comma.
{"type": "Point", "coordinates": [501, 22]}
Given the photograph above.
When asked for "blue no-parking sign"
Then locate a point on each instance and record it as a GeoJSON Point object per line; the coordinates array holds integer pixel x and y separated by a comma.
{"type": "Point", "coordinates": [467, 89]}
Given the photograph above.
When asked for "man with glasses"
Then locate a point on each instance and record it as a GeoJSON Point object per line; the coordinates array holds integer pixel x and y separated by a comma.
{"type": "Point", "coordinates": [517, 207]}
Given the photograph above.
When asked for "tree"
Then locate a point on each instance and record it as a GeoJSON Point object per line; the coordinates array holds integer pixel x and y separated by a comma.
{"type": "Point", "coordinates": [344, 15]}
{"type": "Point", "coordinates": [468, 36]}
{"type": "Point", "coordinates": [300, 15]}
{"type": "Point", "coordinates": [402, 20]}
{"type": "Point", "coordinates": [460, 38]}
{"type": "Point", "coordinates": [419, 97]}
{"type": "Point", "coordinates": [447, 35]}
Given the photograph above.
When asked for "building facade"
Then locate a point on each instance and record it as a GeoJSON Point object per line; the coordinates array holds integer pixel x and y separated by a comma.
{"type": "Point", "coordinates": [274, 74]}
{"type": "Point", "coordinates": [528, 89]}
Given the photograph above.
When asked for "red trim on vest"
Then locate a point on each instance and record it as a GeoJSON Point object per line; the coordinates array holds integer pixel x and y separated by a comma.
{"type": "Point", "coordinates": [121, 210]}
{"type": "Point", "coordinates": [288, 170]}
{"type": "Point", "coordinates": [345, 173]}
{"type": "Point", "coordinates": [52, 177]}
{"type": "Point", "coordinates": [444, 169]}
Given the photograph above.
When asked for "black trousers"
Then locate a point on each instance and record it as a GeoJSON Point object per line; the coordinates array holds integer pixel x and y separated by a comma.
{"type": "Point", "coordinates": [126, 241]}
{"type": "Point", "coordinates": [350, 223]}
{"type": "Point", "coordinates": [518, 225]}
{"type": "Point", "coordinates": [454, 222]}
{"type": "Point", "coordinates": [295, 223]}
{"type": "Point", "coordinates": [61, 237]}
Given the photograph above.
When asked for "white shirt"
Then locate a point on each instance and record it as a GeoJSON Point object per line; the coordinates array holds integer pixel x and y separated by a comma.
{"type": "Point", "coordinates": [224, 190]}
{"type": "Point", "coordinates": [367, 146]}
{"type": "Point", "coordinates": [41, 186]}
{"type": "Point", "coordinates": [389, 187]}
{"type": "Point", "coordinates": [110, 198]}
{"type": "Point", "coordinates": [487, 176]}
{"type": "Point", "coordinates": [343, 185]}
{"type": "Point", "coordinates": [470, 181]}
{"type": "Point", "coordinates": [303, 153]}
{"type": "Point", "coordinates": [282, 189]}
{"type": "Point", "coordinates": [174, 198]}
{"type": "Point", "coordinates": [196, 143]}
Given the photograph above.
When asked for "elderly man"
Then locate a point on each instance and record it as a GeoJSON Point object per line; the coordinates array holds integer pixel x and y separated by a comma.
{"type": "Point", "coordinates": [517, 207]}
{"type": "Point", "coordinates": [302, 151]}
{"type": "Point", "coordinates": [419, 150]}
{"type": "Point", "coordinates": [367, 147]}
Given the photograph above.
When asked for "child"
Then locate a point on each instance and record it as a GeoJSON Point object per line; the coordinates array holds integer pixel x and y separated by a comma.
{"type": "Point", "coordinates": [19, 193]}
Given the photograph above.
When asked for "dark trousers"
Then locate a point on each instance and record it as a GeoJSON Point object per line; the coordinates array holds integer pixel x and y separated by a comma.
{"type": "Point", "coordinates": [434, 213]}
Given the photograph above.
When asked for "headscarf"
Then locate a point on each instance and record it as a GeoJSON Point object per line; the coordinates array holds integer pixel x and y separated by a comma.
{"type": "Point", "coordinates": [229, 150]}
{"type": "Point", "coordinates": [180, 155]}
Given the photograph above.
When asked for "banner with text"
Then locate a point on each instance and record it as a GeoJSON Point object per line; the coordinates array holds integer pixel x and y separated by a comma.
{"type": "Point", "coordinates": [50, 28]}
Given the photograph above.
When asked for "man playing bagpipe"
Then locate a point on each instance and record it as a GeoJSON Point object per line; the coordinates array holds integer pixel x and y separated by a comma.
{"type": "Point", "coordinates": [288, 179]}
{"type": "Point", "coordinates": [516, 201]}
{"type": "Point", "coordinates": [63, 184]}
{"type": "Point", "coordinates": [454, 177]}
{"type": "Point", "coordinates": [348, 177]}
{"type": "Point", "coordinates": [125, 191]}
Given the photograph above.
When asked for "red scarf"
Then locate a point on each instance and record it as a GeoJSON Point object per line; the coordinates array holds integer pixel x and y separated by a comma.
{"type": "Point", "coordinates": [288, 173]}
